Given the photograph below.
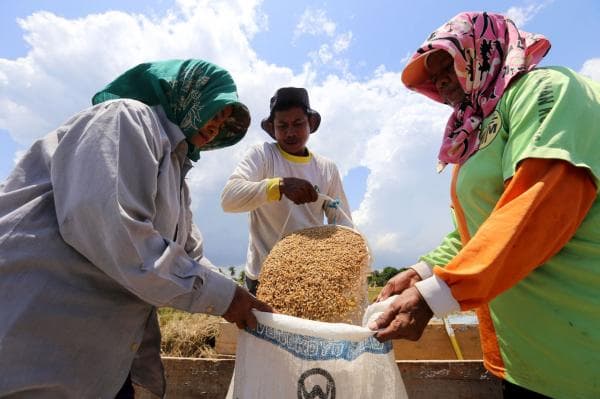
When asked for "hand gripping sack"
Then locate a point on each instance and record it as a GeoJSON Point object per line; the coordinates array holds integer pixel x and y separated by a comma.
{"type": "Point", "coordinates": [289, 357]}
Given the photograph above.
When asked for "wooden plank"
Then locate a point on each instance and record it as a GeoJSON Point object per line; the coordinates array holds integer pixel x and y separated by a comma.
{"type": "Point", "coordinates": [455, 379]}
{"type": "Point", "coordinates": [226, 340]}
{"type": "Point", "coordinates": [435, 344]}
{"type": "Point", "coordinates": [209, 379]}
{"type": "Point", "coordinates": [189, 378]}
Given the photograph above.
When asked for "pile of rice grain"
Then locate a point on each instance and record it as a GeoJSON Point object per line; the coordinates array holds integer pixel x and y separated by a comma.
{"type": "Point", "coordinates": [319, 273]}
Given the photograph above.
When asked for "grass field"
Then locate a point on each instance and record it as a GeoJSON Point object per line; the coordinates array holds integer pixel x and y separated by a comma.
{"type": "Point", "coordinates": [187, 335]}
{"type": "Point", "coordinates": [373, 292]}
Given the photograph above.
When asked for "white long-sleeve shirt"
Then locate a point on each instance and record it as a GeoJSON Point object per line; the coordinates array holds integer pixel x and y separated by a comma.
{"type": "Point", "coordinates": [95, 231]}
{"type": "Point", "coordinates": [253, 187]}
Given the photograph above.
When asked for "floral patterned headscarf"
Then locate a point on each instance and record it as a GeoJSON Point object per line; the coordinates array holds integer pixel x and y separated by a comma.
{"type": "Point", "coordinates": [190, 91]}
{"type": "Point", "coordinates": [489, 52]}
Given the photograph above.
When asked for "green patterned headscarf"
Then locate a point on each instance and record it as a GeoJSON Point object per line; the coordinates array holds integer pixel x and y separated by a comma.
{"type": "Point", "coordinates": [190, 91]}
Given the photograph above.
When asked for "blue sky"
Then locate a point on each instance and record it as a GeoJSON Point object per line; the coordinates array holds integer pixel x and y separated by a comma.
{"type": "Point", "coordinates": [347, 53]}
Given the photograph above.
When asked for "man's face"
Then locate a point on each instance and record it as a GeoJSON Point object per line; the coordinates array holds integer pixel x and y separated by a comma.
{"type": "Point", "coordinates": [210, 130]}
{"type": "Point", "coordinates": [292, 129]}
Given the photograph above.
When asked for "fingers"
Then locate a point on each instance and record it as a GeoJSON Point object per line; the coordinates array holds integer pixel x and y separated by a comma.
{"type": "Point", "coordinates": [394, 324]}
{"type": "Point", "coordinates": [406, 317]}
{"type": "Point", "coordinates": [240, 309]}
{"type": "Point", "coordinates": [308, 194]}
{"type": "Point", "coordinates": [384, 293]}
{"type": "Point", "coordinates": [314, 195]}
{"type": "Point", "coordinates": [397, 284]}
{"type": "Point", "coordinates": [299, 191]}
{"type": "Point", "coordinates": [388, 290]}
{"type": "Point", "coordinates": [240, 323]}
{"type": "Point", "coordinates": [263, 307]}
{"type": "Point", "coordinates": [394, 330]}
{"type": "Point", "coordinates": [384, 320]}
{"type": "Point", "coordinates": [402, 327]}
{"type": "Point", "coordinates": [251, 320]}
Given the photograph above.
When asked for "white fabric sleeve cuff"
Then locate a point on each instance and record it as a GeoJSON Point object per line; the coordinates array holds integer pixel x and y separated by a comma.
{"type": "Point", "coordinates": [423, 269]}
{"type": "Point", "coordinates": [437, 294]}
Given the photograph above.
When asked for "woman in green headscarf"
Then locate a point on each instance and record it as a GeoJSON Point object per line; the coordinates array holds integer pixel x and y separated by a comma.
{"type": "Point", "coordinates": [96, 232]}
{"type": "Point", "coordinates": [191, 93]}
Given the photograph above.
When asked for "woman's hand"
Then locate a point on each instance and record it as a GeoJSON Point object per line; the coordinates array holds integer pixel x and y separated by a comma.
{"type": "Point", "coordinates": [406, 317]}
{"type": "Point", "coordinates": [398, 283]}
{"type": "Point", "coordinates": [240, 309]}
{"type": "Point", "coordinates": [299, 191]}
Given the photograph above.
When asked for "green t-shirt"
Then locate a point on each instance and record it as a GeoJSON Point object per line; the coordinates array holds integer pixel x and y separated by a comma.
{"type": "Point", "coordinates": [547, 325]}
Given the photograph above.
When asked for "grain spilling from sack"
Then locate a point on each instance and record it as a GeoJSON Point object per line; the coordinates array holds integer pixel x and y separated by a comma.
{"type": "Point", "coordinates": [319, 273]}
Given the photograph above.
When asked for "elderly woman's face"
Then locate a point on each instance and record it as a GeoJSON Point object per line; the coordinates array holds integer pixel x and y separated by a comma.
{"type": "Point", "coordinates": [210, 130]}
{"type": "Point", "coordinates": [440, 66]}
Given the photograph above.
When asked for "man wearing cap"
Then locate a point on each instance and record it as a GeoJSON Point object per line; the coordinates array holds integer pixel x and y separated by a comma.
{"type": "Point", "coordinates": [279, 182]}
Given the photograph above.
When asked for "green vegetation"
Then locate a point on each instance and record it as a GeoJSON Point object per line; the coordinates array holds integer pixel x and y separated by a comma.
{"type": "Point", "coordinates": [240, 278]}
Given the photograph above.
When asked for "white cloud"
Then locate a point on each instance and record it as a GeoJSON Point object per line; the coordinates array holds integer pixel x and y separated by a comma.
{"type": "Point", "coordinates": [521, 15]}
{"type": "Point", "coordinates": [375, 123]}
{"type": "Point", "coordinates": [591, 68]}
{"type": "Point", "coordinates": [342, 42]}
{"type": "Point", "coordinates": [327, 57]}
{"type": "Point", "coordinates": [322, 56]}
{"type": "Point", "coordinates": [314, 22]}
{"type": "Point", "coordinates": [70, 59]}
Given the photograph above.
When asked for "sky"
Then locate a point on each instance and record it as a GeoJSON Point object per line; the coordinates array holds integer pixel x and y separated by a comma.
{"type": "Point", "coordinates": [349, 54]}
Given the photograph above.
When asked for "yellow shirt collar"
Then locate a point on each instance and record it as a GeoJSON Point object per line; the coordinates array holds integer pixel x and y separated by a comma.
{"type": "Point", "coordinates": [295, 158]}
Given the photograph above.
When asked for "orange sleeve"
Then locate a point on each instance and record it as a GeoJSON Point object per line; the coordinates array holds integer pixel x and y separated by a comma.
{"type": "Point", "coordinates": [540, 210]}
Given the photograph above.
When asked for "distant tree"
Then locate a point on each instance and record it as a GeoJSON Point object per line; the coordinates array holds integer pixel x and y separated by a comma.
{"type": "Point", "coordinates": [373, 279]}
{"type": "Point", "coordinates": [242, 277]}
{"type": "Point", "coordinates": [379, 278]}
{"type": "Point", "coordinates": [388, 272]}
{"type": "Point", "coordinates": [231, 272]}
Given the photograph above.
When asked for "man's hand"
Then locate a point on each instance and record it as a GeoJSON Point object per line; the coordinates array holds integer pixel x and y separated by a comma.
{"type": "Point", "coordinates": [240, 309]}
{"type": "Point", "coordinates": [398, 283]}
{"type": "Point", "coordinates": [406, 317]}
{"type": "Point", "coordinates": [297, 190]}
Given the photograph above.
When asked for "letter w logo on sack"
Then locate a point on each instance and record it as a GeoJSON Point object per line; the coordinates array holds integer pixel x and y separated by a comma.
{"type": "Point", "coordinates": [314, 377]}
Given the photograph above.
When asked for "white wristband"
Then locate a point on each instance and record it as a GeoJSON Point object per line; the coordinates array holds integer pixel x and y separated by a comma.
{"type": "Point", "coordinates": [423, 269]}
{"type": "Point", "coordinates": [438, 296]}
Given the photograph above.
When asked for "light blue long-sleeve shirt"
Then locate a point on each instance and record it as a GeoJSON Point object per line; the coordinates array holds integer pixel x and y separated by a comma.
{"type": "Point", "coordinates": [95, 232]}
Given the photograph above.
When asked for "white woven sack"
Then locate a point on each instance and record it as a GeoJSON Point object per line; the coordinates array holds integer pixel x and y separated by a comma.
{"type": "Point", "coordinates": [289, 357]}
